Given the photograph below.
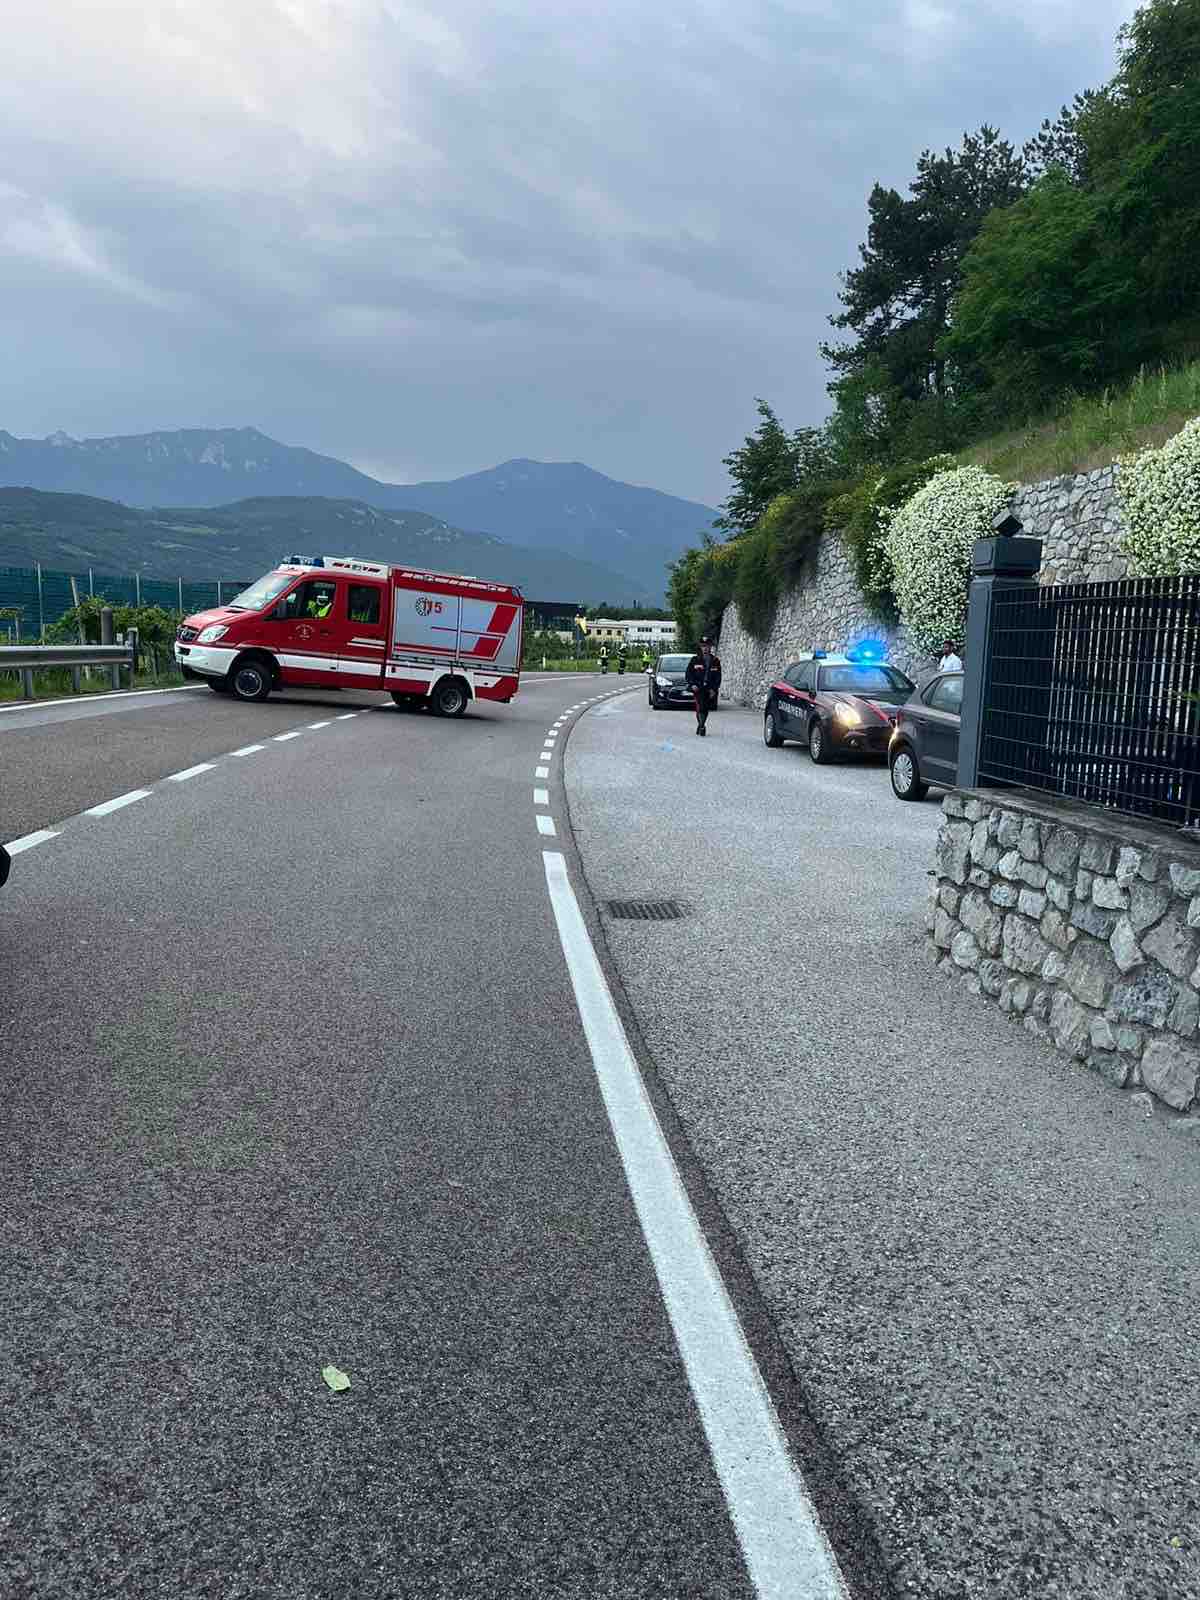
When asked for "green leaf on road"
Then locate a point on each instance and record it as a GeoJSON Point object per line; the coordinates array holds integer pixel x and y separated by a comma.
{"type": "Point", "coordinates": [335, 1378]}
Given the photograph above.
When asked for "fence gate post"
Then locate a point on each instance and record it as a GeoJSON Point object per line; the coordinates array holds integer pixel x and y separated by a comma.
{"type": "Point", "coordinates": [41, 608]}
{"type": "Point", "coordinates": [1004, 562]}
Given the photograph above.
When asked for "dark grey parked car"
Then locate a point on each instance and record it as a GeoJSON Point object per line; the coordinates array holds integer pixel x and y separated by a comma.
{"type": "Point", "coordinates": [4, 864]}
{"type": "Point", "coordinates": [924, 744]}
{"type": "Point", "coordinates": [668, 682]}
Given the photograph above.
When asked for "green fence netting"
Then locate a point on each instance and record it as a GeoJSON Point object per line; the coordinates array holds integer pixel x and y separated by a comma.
{"type": "Point", "coordinates": [32, 600]}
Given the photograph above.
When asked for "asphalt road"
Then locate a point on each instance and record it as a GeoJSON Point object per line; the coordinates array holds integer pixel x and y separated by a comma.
{"type": "Point", "coordinates": [981, 1262]}
{"type": "Point", "coordinates": [294, 1075]}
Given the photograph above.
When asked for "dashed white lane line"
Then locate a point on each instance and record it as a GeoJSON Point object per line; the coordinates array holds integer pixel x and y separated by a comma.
{"type": "Point", "coordinates": [321, 724]}
{"type": "Point", "coordinates": [190, 772]}
{"type": "Point", "coordinates": [786, 1552]}
{"type": "Point", "coordinates": [541, 772]}
{"type": "Point", "coordinates": [280, 737]}
{"type": "Point", "coordinates": [248, 749]}
{"type": "Point", "coordinates": [541, 797]}
{"type": "Point", "coordinates": [345, 716]}
{"type": "Point", "coordinates": [545, 824]}
{"type": "Point", "coordinates": [108, 806]}
{"type": "Point", "coordinates": [15, 846]}
{"type": "Point", "coordinates": [547, 755]}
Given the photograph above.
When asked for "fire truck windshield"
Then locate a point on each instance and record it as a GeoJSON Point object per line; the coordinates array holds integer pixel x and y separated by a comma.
{"type": "Point", "coordinates": [261, 594]}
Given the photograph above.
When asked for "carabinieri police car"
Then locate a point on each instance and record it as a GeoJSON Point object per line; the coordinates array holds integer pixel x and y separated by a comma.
{"type": "Point", "coordinates": [836, 704]}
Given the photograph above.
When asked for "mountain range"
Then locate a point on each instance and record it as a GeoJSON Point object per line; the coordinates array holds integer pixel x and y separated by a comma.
{"type": "Point", "coordinates": [72, 532]}
{"type": "Point", "coordinates": [558, 508]}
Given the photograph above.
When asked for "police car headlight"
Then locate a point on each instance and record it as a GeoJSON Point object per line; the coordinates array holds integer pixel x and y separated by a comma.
{"type": "Point", "coordinates": [846, 715]}
{"type": "Point", "coordinates": [211, 635]}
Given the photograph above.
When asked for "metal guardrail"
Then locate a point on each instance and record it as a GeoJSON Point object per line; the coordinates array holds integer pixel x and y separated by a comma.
{"type": "Point", "coordinates": [30, 658]}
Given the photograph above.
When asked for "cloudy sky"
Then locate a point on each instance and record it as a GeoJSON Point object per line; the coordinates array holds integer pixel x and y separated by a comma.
{"type": "Point", "coordinates": [426, 238]}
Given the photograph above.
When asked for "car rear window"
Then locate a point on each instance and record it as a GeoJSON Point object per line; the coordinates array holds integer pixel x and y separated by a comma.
{"type": "Point", "coordinates": [865, 680]}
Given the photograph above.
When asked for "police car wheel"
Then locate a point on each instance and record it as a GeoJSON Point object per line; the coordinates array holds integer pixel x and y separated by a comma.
{"type": "Point", "coordinates": [906, 775]}
{"type": "Point", "coordinates": [772, 737]}
{"type": "Point", "coordinates": [251, 679]}
{"type": "Point", "coordinates": [818, 744]}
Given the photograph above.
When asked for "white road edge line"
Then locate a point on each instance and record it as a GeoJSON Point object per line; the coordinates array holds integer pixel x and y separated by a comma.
{"type": "Point", "coordinates": [785, 1548]}
{"type": "Point", "coordinates": [280, 737]}
{"type": "Point", "coordinates": [100, 696]}
{"type": "Point", "coordinates": [541, 772]}
{"type": "Point", "coordinates": [107, 806]}
{"type": "Point", "coordinates": [248, 749]}
{"type": "Point", "coordinates": [545, 825]}
{"type": "Point", "coordinates": [27, 841]}
{"type": "Point", "coordinates": [541, 797]}
{"type": "Point", "coordinates": [189, 772]}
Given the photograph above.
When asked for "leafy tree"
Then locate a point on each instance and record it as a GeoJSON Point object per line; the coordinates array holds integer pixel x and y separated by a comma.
{"type": "Point", "coordinates": [897, 301]}
{"type": "Point", "coordinates": [1046, 303]}
{"type": "Point", "coordinates": [769, 463]}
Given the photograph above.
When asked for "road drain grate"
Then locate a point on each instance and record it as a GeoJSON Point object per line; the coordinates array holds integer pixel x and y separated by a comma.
{"type": "Point", "coordinates": [646, 910]}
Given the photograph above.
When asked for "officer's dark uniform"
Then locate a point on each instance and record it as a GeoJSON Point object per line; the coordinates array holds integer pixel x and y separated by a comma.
{"type": "Point", "coordinates": [704, 679]}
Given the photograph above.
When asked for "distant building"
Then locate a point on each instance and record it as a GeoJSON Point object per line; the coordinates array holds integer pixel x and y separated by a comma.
{"type": "Point", "coordinates": [654, 634]}
{"type": "Point", "coordinates": [551, 616]}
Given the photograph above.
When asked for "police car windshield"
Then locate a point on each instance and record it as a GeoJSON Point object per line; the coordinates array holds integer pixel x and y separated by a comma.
{"type": "Point", "coordinates": [864, 680]}
{"type": "Point", "coordinates": [674, 663]}
{"type": "Point", "coordinates": [261, 594]}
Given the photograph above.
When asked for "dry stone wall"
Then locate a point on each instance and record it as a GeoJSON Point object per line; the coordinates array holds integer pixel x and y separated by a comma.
{"type": "Point", "coordinates": [826, 611]}
{"type": "Point", "coordinates": [1077, 518]}
{"type": "Point", "coordinates": [1084, 927]}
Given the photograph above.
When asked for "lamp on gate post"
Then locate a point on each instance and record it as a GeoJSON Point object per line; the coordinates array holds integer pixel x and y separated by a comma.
{"type": "Point", "coordinates": [1005, 561]}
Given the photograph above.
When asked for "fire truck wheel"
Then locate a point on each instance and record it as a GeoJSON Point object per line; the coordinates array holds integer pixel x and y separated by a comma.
{"type": "Point", "coordinates": [251, 678]}
{"type": "Point", "coordinates": [406, 702]}
{"type": "Point", "coordinates": [449, 697]}
{"type": "Point", "coordinates": [219, 685]}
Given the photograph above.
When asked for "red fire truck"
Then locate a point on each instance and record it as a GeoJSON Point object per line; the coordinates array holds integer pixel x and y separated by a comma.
{"type": "Point", "coordinates": [336, 622]}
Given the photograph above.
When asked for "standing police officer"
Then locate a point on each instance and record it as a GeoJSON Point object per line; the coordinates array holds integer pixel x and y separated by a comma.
{"type": "Point", "coordinates": [704, 680]}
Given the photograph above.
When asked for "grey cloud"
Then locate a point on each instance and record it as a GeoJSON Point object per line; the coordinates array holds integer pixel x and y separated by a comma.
{"type": "Point", "coordinates": [432, 239]}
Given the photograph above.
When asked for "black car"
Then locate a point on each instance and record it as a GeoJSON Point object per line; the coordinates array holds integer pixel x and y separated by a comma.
{"type": "Point", "coordinates": [835, 705]}
{"type": "Point", "coordinates": [5, 862]}
{"type": "Point", "coordinates": [924, 747]}
{"type": "Point", "coordinates": [668, 683]}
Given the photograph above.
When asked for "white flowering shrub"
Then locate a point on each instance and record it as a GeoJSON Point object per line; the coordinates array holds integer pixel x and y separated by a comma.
{"type": "Point", "coordinates": [928, 542]}
{"type": "Point", "coordinates": [1159, 493]}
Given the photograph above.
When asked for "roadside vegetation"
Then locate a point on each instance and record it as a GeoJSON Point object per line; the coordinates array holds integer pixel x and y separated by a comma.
{"type": "Point", "coordinates": [1020, 313]}
{"type": "Point", "coordinates": [81, 625]}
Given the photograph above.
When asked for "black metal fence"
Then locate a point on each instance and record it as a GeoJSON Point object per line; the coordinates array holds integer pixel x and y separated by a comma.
{"type": "Point", "coordinates": [1092, 691]}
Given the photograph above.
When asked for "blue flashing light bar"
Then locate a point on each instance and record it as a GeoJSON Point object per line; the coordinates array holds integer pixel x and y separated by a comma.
{"type": "Point", "coordinates": [867, 650]}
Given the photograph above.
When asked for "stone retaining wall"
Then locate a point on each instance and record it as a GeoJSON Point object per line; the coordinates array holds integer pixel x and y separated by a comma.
{"type": "Point", "coordinates": [1085, 927]}
{"type": "Point", "coordinates": [1077, 518]}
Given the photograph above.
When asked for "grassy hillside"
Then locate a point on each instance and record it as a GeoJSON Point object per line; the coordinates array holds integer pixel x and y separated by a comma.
{"type": "Point", "coordinates": [1092, 431]}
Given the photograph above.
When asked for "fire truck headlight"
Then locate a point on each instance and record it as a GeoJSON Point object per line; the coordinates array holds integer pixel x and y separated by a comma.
{"type": "Point", "coordinates": [211, 635]}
